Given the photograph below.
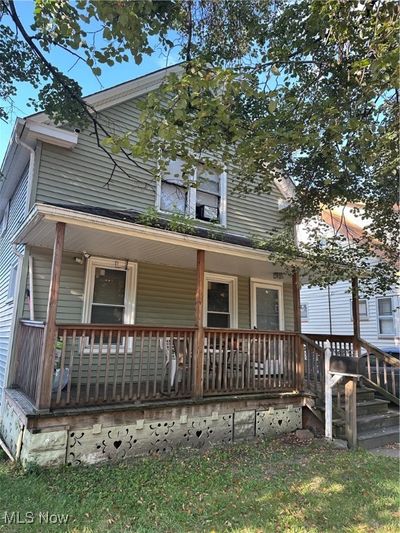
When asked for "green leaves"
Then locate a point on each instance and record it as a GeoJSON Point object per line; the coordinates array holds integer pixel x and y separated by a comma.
{"type": "Point", "coordinates": [272, 106]}
{"type": "Point", "coordinates": [307, 88]}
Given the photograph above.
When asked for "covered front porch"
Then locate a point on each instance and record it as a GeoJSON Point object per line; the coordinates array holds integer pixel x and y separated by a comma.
{"type": "Point", "coordinates": [162, 316]}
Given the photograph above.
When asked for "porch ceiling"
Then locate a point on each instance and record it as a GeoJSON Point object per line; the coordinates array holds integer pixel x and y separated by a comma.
{"type": "Point", "coordinates": [99, 236]}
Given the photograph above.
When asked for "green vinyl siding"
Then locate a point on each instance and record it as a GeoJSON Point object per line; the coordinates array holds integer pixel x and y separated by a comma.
{"type": "Point", "coordinates": [165, 296]}
{"type": "Point", "coordinates": [80, 176]}
{"type": "Point", "coordinates": [288, 306]}
{"type": "Point", "coordinates": [72, 281]}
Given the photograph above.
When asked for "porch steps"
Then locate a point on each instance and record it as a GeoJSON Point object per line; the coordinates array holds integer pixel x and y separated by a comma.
{"type": "Point", "coordinates": [377, 438]}
{"type": "Point", "coordinates": [377, 420]}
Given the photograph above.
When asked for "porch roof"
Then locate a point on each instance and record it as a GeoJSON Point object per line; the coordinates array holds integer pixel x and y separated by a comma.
{"type": "Point", "coordinates": [97, 234]}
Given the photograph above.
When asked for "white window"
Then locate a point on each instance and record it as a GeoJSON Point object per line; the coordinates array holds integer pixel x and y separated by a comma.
{"type": "Point", "coordinates": [174, 192]}
{"type": "Point", "coordinates": [267, 311]}
{"type": "Point", "coordinates": [385, 316]}
{"type": "Point", "coordinates": [304, 311]}
{"type": "Point", "coordinates": [205, 200]}
{"type": "Point", "coordinates": [220, 301]}
{"type": "Point", "coordinates": [362, 309]}
{"type": "Point", "coordinates": [110, 291]}
{"type": "Point", "coordinates": [12, 283]}
{"type": "Point", "coordinates": [4, 220]}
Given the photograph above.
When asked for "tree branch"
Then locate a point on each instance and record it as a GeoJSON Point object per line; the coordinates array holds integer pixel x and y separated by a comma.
{"type": "Point", "coordinates": [88, 110]}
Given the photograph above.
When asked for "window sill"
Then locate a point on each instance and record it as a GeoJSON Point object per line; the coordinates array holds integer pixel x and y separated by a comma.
{"type": "Point", "coordinates": [195, 220]}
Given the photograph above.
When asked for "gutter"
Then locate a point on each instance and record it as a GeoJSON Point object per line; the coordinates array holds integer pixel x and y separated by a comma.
{"type": "Point", "coordinates": [76, 218]}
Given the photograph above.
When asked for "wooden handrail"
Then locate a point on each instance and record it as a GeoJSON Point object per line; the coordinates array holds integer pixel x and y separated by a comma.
{"type": "Point", "coordinates": [383, 372]}
{"type": "Point", "coordinates": [322, 337]}
{"type": "Point", "coordinates": [78, 328]}
{"type": "Point", "coordinates": [380, 353]}
{"type": "Point", "coordinates": [250, 331]}
{"type": "Point", "coordinates": [310, 341]}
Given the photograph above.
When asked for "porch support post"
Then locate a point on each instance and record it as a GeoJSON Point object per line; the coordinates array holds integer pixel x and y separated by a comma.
{"type": "Point", "coordinates": [297, 327]}
{"type": "Point", "coordinates": [198, 354]}
{"type": "Point", "coordinates": [356, 316]}
{"type": "Point", "coordinates": [350, 402]}
{"type": "Point", "coordinates": [46, 365]}
{"type": "Point", "coordinates": [296, 300]}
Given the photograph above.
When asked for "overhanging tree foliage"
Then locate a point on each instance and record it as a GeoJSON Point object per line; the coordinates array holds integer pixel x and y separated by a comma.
{"type": "Point", "coordinates": [306, 89]}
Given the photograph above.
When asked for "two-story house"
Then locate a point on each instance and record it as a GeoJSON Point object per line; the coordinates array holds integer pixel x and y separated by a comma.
{"type": "Point", "coordinates": [124, 333]}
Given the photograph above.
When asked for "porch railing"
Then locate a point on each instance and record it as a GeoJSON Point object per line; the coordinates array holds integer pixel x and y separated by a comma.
{"type": "Point", "coordinates": [249, 361]}
{"type": "Point", "coordinates": [108, 364]}
{"type": "Point", "coordinates": [103, 364]}
{"type": "Point", "coordinates": [314, 366]}
{"type": "Point", "coordinates": [29, 344]}
{"type": "Point", "coordinates": [341, 345]}
{"type": "Point", "coordinates": [382, 370]}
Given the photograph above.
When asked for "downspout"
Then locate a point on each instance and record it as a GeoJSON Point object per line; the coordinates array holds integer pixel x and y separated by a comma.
{"type": "Point", "coordinates": [30, 272]}
{"type": "Point", "coordinates": [31, 166]}
{"type": "Point", "coordinates": [330, 310]}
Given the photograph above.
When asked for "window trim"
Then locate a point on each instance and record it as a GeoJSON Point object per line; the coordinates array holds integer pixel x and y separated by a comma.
{"type": "Point", "coordinates": [378, 316]}
{"type": "Point", "coordinates": [12, 278]}
{"type": "Point", "coordinates": [130, 286]}
{"type": "Point", "coordinates": [268, 284]}
{"type": "Point", "coordinates": [191, 200]}
{"type": "Point", "coordinates": [232, 282]}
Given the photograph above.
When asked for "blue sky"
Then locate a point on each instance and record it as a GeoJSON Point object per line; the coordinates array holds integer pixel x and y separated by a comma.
{"type": "Point", "coordinates": [64, 61]}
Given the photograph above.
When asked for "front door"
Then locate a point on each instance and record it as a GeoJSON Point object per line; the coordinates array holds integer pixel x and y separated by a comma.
{"type": "Point", "coordinates": [267, 306]}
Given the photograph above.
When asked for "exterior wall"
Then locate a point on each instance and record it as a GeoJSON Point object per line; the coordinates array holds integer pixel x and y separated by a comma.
{"type": "Point", "coordinates": [341, 314]}
{"type": "Point", "coordinates": [158, 302]}
{"type": "Point", "coordinates": [8, 259]}
{"type": "Point", "coordinates": [79, 177]}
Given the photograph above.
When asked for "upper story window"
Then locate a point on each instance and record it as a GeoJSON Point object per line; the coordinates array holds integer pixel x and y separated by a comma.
{"type": "Point", "coordinates": [304, 311]}
{"type": "Point", "coordinates": [363, 308]}
{"type": "Point", "coordinates": [4, 220]}
{"type": "Point", "coordinates": [201, 195]}
{"type": "Point", "coordinates": [385, 316]}
{"type": "Point", "coordinates": [174, 193]}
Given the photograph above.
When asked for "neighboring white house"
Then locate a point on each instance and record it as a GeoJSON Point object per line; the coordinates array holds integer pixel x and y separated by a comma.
{"type": "Point", "coordinates": [329, 309]}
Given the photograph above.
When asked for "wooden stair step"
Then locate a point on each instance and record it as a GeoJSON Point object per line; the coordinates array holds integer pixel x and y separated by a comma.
{"type": "Point", "coordinates": [378, 437]}
{"type": "Point", "coordinates": [362, 394]}
{"type": "Point", "coordinates": [370, 407]}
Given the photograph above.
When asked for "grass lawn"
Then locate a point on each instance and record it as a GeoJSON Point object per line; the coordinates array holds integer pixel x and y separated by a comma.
{"type": "Point", "coordinates": [272, 485]}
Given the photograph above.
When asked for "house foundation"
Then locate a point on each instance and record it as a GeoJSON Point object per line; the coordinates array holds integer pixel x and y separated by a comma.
{"type": "Point", "coordinates": [93, 436]}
